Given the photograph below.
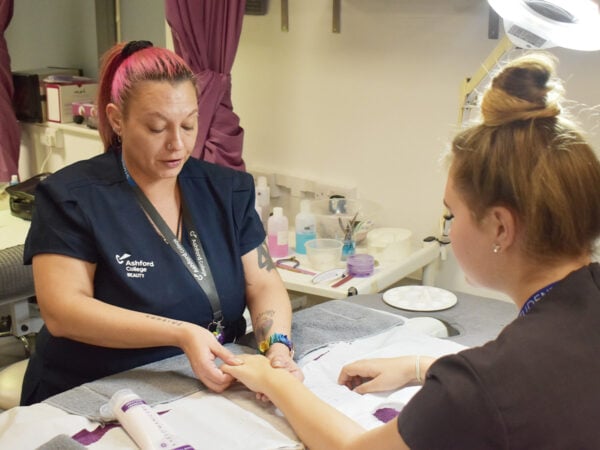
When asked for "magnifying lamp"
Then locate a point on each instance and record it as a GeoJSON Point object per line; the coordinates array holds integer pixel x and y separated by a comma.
{"type": "Point", "coordinates": [534, 24]}
{"type": "Point", "coordinates": [540, 24]}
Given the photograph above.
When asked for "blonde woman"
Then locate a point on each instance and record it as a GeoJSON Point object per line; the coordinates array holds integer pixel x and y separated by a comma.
{"type": "Point", "coordinates": [524, 193]}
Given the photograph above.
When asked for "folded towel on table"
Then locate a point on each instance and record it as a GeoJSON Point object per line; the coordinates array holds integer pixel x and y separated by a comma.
{"type": "Point", "coordinates": [172, 378]}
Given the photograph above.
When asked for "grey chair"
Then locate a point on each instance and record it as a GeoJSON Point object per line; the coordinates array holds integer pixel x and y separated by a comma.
{"type": "Point", "coordinates": [19, 313]}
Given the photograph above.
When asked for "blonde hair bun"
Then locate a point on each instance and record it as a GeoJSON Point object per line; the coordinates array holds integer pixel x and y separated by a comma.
{"type": "Point", "coordinates": [526, 88]}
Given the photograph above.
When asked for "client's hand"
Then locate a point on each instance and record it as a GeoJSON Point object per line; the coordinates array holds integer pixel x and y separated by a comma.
{"type": "Point", "coordinates": [281, 358]}
{"type": "Point", "coordinates": [202, 349]}
{"type": "Point", "coordinates": [377, 375]}
{"type": "Point", "coordinates": [253, 372]}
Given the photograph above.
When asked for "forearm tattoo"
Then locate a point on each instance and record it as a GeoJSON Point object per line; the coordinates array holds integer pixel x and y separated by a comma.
{"type": "Point", "coordinates": [264, 257]}
{"type": "Point", "coordinates": [165, 320]}
{"type": "Point", "coordinates": [264, 323]}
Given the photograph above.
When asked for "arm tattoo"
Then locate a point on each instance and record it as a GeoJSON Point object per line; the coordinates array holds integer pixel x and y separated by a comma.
{"type": "Point", "coordinates": [264, 257]}
{"type": "Point", "coordinates": [165, 320]}
{"type": "Point", "coordinates": [264, 322]}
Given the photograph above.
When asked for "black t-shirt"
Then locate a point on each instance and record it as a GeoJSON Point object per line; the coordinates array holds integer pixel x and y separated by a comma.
{"type": "Point", "coordinates": [537, 386]}
{"type": "Point", "coordinates": [88, 211]}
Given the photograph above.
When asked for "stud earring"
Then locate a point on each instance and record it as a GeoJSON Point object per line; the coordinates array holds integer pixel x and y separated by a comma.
{"type": "Point", "coordinates": [169, 146]}
{"type": "Point", "coordinates": [497, 248]}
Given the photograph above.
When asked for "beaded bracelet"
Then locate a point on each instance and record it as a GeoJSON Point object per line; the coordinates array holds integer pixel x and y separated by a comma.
{"type": "Point", "coordinates": [275, 338]}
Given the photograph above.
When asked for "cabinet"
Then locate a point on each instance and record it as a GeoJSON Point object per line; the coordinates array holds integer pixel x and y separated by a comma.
{"type": "Point", "coordinates": [48, 146]}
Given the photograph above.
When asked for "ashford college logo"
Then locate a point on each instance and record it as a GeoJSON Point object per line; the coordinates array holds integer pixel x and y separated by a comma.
{"type": "Point", "coordinates": [134, 268]}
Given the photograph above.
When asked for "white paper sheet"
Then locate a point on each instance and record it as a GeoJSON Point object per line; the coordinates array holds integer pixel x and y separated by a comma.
{"type": "Point", "coordinates": [322, 368]}
{"type": "Point", "coordinates": [235, 420]}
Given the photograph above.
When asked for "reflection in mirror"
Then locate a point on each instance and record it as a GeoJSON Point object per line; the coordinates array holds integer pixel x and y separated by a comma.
{"type": "Point", "coordinates": [75, 33]}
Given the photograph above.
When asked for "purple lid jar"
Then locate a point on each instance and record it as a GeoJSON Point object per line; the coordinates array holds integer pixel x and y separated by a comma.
{"type": "Point", "coordinates": [360, 265]}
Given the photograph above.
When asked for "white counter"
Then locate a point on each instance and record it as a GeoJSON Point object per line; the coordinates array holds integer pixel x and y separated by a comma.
{"type": "Point", "coordinates": [386, 274]}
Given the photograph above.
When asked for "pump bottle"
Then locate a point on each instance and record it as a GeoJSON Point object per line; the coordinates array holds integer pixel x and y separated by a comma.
{"type": "Point", "coordinates": [306, 227]}
{"type": "Point", "coordinates": [277, 233]}
{"type": "Point", "coordinates": [263, 198]}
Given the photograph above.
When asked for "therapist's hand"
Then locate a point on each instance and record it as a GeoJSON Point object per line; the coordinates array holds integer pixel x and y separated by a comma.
{"type": "Point", "coordinates": [281, 358]}
{"type": "Point", "coordinates": [202, 349]}
{"type": "Point", "coordinates": [382, 374]}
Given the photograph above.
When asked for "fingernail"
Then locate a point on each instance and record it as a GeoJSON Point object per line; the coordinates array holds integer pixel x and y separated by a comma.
{"type": "Point", "coordinates": [238, 361]}
{"type": "Point", "coordinates": [277, 363]}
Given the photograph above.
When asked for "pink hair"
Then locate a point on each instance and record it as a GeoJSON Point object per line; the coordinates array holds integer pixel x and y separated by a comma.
{"type": "Point", "coordinates": [119, 77]}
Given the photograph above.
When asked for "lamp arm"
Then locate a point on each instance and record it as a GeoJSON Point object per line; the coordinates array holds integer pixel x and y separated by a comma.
{"type": "Point", "coordinates": [468, 94]}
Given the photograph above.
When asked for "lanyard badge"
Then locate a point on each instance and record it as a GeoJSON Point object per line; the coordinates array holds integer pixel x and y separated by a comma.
{"type": "Point", "coordinates": [217, 329]}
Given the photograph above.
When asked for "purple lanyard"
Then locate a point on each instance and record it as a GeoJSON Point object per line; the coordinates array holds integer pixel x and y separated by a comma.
{"type": "Point", "coordinates": [536, 297]}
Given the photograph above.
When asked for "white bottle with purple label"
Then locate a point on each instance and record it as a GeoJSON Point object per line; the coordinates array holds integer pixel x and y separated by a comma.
{"type": "Point", "coordinates": [141, 422]}
{"type": "Point", "coordinates": [278, 233]}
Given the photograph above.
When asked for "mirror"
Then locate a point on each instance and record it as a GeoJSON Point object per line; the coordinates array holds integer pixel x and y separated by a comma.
{"type": "Point", "coordinates": [75, 33]}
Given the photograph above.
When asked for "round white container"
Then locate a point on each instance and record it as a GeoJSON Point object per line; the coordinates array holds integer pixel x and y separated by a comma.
{"type": "Point", "coordinates": [389, 244]}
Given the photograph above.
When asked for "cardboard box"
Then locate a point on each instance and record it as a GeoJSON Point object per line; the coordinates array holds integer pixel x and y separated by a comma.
{"type": "Point", "coordinates": [60, 97]}
{"type": "Point", "coordinates": [29, 99]}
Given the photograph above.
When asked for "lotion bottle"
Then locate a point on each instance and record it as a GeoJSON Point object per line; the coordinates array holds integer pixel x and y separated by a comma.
{"type": "Point", "coordinates": [277, 233]}
{"type": "Point", "coordinates": [306, 226]}
{"type": "Point", "coordinates": [141, 422]}
{"type": "Point", "coordinates": [263, 198]}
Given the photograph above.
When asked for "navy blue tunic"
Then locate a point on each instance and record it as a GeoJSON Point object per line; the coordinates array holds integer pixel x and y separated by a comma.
{"type": "Point", "coordinates": [537, 386]}
{"type": "Point", "coordinates": [88, 211]}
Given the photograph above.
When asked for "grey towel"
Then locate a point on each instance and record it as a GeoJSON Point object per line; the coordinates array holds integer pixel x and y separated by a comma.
{"type": "Point", "coordinates": [337, 321]}
{"type": "Point", "coordinates": [61, 442]}
{"type": "Point", "coordinates": [172, 378]}
{"type": "Point", "coordinates": [158, 382]}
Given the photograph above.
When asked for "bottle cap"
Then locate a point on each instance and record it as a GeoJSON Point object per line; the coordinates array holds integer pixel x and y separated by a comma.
{"type": "Point", "coordinates": [262, 181]}
{"type": "Point", "coordinates": [278, 211]}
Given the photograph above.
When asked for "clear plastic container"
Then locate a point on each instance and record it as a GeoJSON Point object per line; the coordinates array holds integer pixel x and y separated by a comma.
{"type": "Point", "coordinates": [324, 254]}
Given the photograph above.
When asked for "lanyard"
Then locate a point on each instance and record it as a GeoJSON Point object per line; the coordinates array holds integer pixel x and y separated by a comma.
{"type": "Point", "coordinates": [200, 271]}
{"type": "Point", "coordinates": [531, 301]}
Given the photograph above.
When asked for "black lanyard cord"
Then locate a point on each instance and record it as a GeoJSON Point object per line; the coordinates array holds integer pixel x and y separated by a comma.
{"type": "Point", "coordinates": [200, 270]}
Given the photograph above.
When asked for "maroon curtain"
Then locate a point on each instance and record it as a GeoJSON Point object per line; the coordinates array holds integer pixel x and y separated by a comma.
{"type": "Point", "coordinates": [10, 134]}
{"type": "Point", "coordinates": [206, 34]}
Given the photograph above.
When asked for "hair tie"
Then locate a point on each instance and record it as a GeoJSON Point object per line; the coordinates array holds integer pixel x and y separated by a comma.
{"type": "Point", "coordinates": [134, 46]}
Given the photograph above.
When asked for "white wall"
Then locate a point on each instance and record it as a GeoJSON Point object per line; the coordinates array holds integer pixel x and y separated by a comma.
{"type": "Point", "coordinates": [371, 107]}
{"type": "Point", "coordinates": [375, 105]}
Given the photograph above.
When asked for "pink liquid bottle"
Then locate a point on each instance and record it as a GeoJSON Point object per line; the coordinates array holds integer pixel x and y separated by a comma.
{"type": "Point", "coordinates": [277, 234]}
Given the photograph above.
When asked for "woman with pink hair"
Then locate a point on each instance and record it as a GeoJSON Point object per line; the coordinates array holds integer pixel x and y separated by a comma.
{"type": "Point", "coordinates": [143, 253]}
